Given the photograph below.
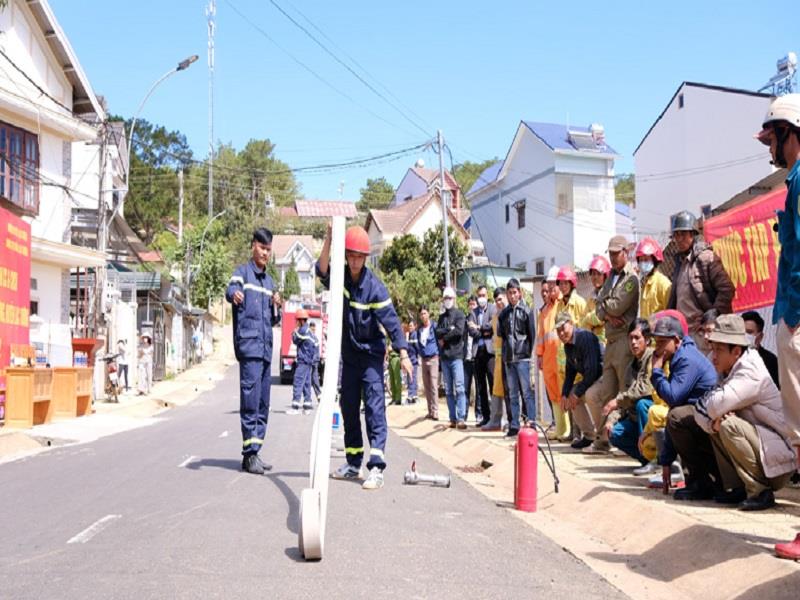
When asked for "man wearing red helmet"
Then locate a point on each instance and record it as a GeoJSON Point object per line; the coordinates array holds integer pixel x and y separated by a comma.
{"type": "Point", "coordinates": [367, 308]}
{"type": "Point", "coordinates": [599, 269]}
{"type": "Point", "coordinates": [656, 287]}
{"type": "Point", "coordinates": [306, 347]}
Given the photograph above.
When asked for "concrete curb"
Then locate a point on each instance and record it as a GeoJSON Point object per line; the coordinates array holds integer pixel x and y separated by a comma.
{"type": "Point", "coordinates": [644, 546]}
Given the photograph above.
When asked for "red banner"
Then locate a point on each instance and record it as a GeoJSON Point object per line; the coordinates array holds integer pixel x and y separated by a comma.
{"type": "Point", "coordinates": [15, 287]}
{"type": "Point", "coordinates": [749, 248]}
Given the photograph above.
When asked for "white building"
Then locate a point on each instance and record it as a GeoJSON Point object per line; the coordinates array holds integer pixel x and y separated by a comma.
{"type": "Point", "coordinates": [414, 216]}
{"type": "Point", "coordinates": [550, 202]}
{"type": "Point", "coordinates": [46, 106]}
{"type": "Point", "coordinates": [698, 153]}
{"type": "Point", "coordinates": [297, 250]}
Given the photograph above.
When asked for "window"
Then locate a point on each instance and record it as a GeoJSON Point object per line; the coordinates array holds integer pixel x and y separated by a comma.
{"type": "Point", "coordinates": [19, 168]}
{"type": "Point", "coordinates": [564, 194]}
{"type": "Point", "coordinates": [520, 206]}
{"type": "Point", "coordinates": [34, 307]}
{"type": "Point", "coordinates": [507, 213]}
{"type": "Point", "coordinates": [680, 101]}
{"type": "Point", "coordinates": [539, 267]}
{"type": "Point", "coordinates": [508, 258]}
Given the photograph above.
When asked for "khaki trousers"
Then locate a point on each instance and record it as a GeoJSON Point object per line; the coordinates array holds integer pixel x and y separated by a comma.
{"type": "Point", "coordinates": [737, 449]}
{"type": "Point", "coordinates": [789, 373]}
{"type": "Point", "coordinates": [617, 358]}
{"type": "Point", "coordinates": [430, 379]}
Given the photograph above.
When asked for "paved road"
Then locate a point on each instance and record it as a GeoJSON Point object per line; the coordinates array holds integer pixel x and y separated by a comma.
{"type": "Point", "coordinates": [164, 512]}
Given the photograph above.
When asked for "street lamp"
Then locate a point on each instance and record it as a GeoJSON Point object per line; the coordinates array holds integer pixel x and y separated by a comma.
{"type": "Point", "coordinates": [182, 66]}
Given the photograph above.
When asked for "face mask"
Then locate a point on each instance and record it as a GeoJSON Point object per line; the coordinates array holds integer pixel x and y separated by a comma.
{"type": "Point", "coordinates": [645, 267]}
{"type": "Point", "coordinates": [481, 301]}
{"type": "Point", "coordinates": [751, 340]}
{"type": "Point", "coordinates": [448, 303]}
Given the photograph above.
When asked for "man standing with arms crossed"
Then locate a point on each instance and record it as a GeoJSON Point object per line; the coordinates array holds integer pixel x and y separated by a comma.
{"type": "Point", "coordinates": [367, 305]}
{"type": "Point", "coordinates": [781, 132]}
{"type": "Point", "coordinates": [255, 311]}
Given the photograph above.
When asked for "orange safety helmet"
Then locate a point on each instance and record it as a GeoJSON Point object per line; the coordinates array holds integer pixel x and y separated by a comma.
{"type": "Point", "coordinates": [601, 265]}
{"type": "Point", "coordinates": [566, 273]}
{"type": "Point", "coordinates": [356, 240]}
{"type": "Point", "coordinates": [301, 313]}
{"type": "Point", "coordinates": [649, 247]}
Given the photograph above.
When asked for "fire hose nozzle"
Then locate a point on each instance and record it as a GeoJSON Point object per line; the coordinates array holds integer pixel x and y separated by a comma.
{"type": "Point", "coordinates": [413, 478]}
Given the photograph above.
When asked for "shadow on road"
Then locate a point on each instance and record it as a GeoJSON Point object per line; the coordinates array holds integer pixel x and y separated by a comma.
{"type": "Point", "coordinates": [293, 502]}
{"type": "Point", "coordinates": [216, 463]}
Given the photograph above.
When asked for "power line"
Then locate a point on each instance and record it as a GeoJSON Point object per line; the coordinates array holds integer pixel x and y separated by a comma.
{"type": "Point", "coordinates": [346, 66]}
{"type": "Point", "coordinates": [33, 83]}
{"type": "Point", "coordinates": [309, 69]}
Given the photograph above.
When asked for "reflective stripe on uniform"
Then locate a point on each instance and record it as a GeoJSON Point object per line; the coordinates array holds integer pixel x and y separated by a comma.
{"type": "Point", "coordinates": [236, 279]}
{"type": "Point", "coordinates": [550, 335]}
{"type": "Point", "coordinates": [303, 337]}
{"type": "Point", "coordinates": [354, 450]}
{"type": "Point", "coordinates": [373, 305]}
{"type": "Point", "coordinates": [252, 440]}
{"type": "Point", "coordinates": [257, 288]}
{"type": "Point", "coordinates": [376, 452]}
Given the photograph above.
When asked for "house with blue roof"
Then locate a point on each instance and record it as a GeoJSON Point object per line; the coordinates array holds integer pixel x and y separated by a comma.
{"type": "Point", "coordinates": [550, 201]}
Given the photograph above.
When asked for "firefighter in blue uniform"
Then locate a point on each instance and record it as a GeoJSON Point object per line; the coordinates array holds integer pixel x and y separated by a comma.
{"type": "Point", "coordinates": [256, 309]}
{"type": "Point", "coordinates": [367, 306]}
{"type": "Point", "coordinates": [304, 343]}
{"type": "Point", "coordinates": [312, 327]}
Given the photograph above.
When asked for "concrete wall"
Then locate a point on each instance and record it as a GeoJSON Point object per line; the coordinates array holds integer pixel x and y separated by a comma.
{"type": "Point", "coordinates": [703, 153]}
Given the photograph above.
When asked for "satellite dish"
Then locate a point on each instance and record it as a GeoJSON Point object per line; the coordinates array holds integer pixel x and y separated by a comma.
{"type": "Point", "coordinates": [420, 164]}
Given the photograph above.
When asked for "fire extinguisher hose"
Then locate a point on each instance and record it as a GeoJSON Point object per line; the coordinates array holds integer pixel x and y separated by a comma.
{"type": "Point", "coordinates": [551, 463]}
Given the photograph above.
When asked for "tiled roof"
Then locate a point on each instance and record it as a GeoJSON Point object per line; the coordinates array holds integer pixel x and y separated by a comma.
{"type": "Point", "coordinates": [287, 211]}
{"type": "Point", "coordinates": [556, 136]}
{"type": "Point", "coordinates": [325, 208]}
{"type": "Point", "coordinates": [431, 175]}
{"type": "Point", "coordinates": [394, 221]}
{"type": "Point", "coordinates": [281, 244]}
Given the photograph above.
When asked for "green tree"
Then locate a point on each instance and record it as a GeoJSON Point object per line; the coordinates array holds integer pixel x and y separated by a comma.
{"type": "Point", "coordinates": [205, 257]}
{"type": "Point", "coordinates": [625, 189]}
{"type": "Point", "coordinates": [291, 283]}
{"type": "Point", "coordinates": [467, 173]}
{"type": "Point", "coordinates": [402, 254]}
{"type": "Point", "coordinates": [157, 154]}
{"type": "Point", "coordinates": [432, 252]}
{"type": "Point", "coordinates": [412, 290]}
{"type": "Point", "coordinates": [377, 193]}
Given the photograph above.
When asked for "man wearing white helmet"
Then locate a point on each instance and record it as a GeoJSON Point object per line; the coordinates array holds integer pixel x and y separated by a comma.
{"type": "Point", "coordinates": [781, 132]}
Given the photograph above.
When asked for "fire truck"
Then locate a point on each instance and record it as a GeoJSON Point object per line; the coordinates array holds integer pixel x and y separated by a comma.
{"type": "Point", "coordinates": [317, 315]}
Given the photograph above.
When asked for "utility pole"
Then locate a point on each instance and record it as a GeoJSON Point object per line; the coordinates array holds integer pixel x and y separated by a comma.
{"type": "Point", "coordinates": [444, 210]}
{"type": "Point", "coordinates": [211, 14]}
{"type": "Point", "coordinates": [180, 205]}
{"type": "Point", "coordinates": [102, 231]}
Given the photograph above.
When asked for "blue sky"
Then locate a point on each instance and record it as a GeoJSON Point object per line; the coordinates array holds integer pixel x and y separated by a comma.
{"type": "Point", "coordinates": [472, 69]}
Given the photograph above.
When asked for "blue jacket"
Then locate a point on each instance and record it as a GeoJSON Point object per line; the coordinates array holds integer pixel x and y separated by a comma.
{"type": "Point", "coordinates": [367, 305]}
{"type": "Point", "coordinates": [691, 375]}
{"type": "Point", "coordinates": [413, 347]}
{"type": "Point", "coordinates": [431, 348]}
{"type": "Point", "coordinates": [584, 358]}
{"type": "Point", "coordinates": [787, 295]}
{"type": "Point", "coordinates": [254, 318]}
{"type": "Point", "coordinates": [305, 343]}
{"type": "Point", "coordinates": [316, 357]}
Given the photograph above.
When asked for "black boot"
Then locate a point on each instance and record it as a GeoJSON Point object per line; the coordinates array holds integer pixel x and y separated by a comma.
{"type": "Point", "coordinates": [762, 501]}
{"type": "Point", "coordinates": [252, 464]}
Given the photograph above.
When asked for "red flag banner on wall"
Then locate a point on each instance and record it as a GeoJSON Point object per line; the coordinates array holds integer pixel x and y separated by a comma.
{"type": "Point", "coordinates": [749, 248]}
{"type": "Point", "coordinates": [15, 286]}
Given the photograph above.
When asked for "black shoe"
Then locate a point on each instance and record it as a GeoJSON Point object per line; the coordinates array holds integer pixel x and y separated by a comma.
{"type": "Point", "coordinates": [734, 496]}
{"type": "Point", "coordinates": [264, 465]}
{"type": "Point", "coordinates": [581, 443]}
{"type": "Point", "coordinates": [512, 433]}
{"type": "Point", "coordinates": [251, 464]}
{"type": "Point", "coordinates": [694, 493]}
{"type": "Point", "coordinates": [762, 501]}
{"type": "Point", "coordinates": [483, 423]}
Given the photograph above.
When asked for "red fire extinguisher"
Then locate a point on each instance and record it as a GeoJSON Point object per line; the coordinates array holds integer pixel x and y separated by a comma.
{"type": "Point", "coordinates": [526, 462]}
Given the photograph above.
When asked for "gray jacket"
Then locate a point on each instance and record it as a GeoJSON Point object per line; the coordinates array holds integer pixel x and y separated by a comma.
{"type": "Point", "coordinates": [749, 391]}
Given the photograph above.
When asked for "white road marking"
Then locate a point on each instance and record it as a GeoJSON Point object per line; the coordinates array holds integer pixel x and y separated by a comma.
{"type": "Point", "coordinates": [93, 529]}
{"type": "Point", "coordinates": [186, 462]}
{"type": "Point", "coordinates": [223, 434]}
